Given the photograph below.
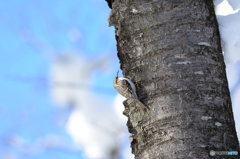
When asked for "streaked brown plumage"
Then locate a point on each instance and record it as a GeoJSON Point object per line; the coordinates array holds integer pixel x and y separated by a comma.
{"type": "Point", "coordinates": [126, 88]}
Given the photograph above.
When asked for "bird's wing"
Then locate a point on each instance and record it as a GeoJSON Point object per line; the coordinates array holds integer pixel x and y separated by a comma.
{"type": "Point", "coordinates": [131, 87]}
{"type": "Point", "coordinates": [131, 83]}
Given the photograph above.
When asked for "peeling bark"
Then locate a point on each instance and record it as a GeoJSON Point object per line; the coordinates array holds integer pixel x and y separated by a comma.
{"type": "Point", "coordinates": [171, 50]}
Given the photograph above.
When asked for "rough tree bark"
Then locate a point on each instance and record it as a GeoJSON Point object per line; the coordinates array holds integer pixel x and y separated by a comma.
{"type": "Point", "coordinates": [171, 50]}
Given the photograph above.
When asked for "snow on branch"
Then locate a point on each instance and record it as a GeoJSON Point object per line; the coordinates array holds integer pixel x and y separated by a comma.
{"type": "Point", "coordinates": [230, 35]}
{"type": "Point", "coordinates": [229, 25]}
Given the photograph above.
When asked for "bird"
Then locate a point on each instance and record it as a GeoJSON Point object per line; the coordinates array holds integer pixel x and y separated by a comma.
{"type": "Point", "coordinates": [127, 89]}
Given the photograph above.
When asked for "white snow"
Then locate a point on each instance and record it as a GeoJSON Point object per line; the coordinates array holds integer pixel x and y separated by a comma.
{"type": "Point", "coordinates": [229, 27]}
{"type": "Point", "coordinates": [226, 6]}
{"type": "Point", "coordinates": [223, 8]}
{"type": "Point", "coordinates": [232, 75]}
{"type": "Point", "coordinates": [217, 2]}
{"type": "Point", "coordinates": [235, 103]}
{"type": "Point", "coordinates": [229, 24]}
{"type": "Point", "coordinates": [235, 4]}
{"type": "Point", "coordinates": [228, 16]}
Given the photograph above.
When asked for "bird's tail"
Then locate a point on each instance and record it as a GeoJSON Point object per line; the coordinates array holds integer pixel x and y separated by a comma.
{"type": "Point", "coordinates": [143, 107]}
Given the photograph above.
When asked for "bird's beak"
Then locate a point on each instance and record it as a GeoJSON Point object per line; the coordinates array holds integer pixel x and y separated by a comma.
{"type": "Point", "coordinates": [117, 73]}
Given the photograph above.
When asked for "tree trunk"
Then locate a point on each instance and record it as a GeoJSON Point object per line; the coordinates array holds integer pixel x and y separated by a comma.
{"type": "Point", "coordinates": [171, 50]}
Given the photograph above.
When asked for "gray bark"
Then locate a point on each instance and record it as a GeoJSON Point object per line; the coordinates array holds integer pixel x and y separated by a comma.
{"type": "Point", "coordinates": [171, 50]}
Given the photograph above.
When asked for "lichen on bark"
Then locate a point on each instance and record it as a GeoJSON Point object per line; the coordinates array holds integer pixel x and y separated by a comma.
{"type": "Point", "coordinates": [171, 50]}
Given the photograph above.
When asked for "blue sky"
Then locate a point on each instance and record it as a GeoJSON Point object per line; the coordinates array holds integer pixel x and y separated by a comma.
{"type": "Point", "coordinates": [28, 30]}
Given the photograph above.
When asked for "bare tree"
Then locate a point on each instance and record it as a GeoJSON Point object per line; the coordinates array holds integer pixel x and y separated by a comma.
{"type": "Point", "coordinates": [171, 50]}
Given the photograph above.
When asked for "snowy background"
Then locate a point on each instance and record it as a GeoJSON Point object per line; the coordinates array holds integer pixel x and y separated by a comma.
{"type": "Point", "coordinates": [58, 60]}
